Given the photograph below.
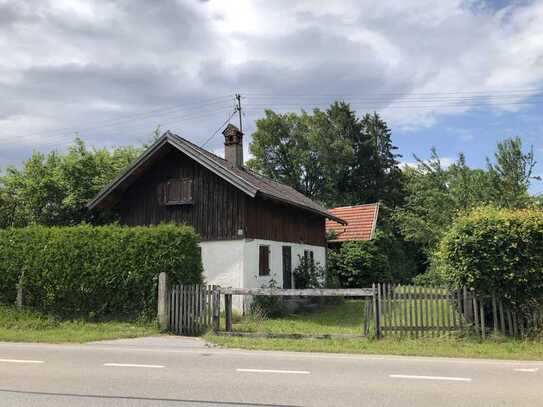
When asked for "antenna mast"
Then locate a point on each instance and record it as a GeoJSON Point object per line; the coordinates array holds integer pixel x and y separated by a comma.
{"type": "Point", "coordinates": [238, 109]}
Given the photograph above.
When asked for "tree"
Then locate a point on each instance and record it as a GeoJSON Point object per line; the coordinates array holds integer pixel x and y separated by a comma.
{"type": "Point", "coordinates": [511, 175]}
{"type": "Point", "coordinates": [331, 156]}
{"type": "Point", "coordinates": [436, 195]}
{"type": "Point", "coordinates": [54, 189]}
{"type": "Point", "coordinates": [376, 175]}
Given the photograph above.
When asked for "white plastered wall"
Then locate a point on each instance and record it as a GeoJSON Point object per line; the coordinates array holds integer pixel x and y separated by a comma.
{"type": "Point", "coordinates": [251, 253]}
{"type": "Point", "coordinates": [223, 262]}
{"type": "Point", "coordinates": [234, 263]}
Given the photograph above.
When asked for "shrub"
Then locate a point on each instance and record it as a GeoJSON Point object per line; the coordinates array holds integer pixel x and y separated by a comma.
{"type": "Point", "coordinates": [385, 258]}
{"type": "Point", "coordinates": [95, 271]}
{"type": "Point", "coordinates": [263, 306]}
{"type": "Point", "coordinates": [359, 264]}
{"type": "Point", "coordinates": [309, 274]}
{"type": "Point", "coordinates": [496, 250]}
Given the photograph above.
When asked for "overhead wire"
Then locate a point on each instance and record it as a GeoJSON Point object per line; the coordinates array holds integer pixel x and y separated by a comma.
{"type": "Point", "coordinates": [219, 128]}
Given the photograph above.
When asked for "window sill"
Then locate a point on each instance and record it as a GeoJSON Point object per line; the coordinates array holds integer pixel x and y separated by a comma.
{"type": "Point", "coordinates": [174, 203]}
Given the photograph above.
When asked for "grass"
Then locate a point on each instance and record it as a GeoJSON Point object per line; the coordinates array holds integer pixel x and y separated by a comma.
{"type": "Point", "coordinates": [343, 318]}
{"type": "Point", "coordinates": [446, 347]}
{"type": "Point", "coordinates": [27, 326]}
{"type": "Point", "coordinates": [347, 318]}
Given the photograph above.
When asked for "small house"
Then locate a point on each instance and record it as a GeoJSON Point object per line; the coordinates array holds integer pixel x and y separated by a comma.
{"type": "Point", "coordinates": [252, 229]}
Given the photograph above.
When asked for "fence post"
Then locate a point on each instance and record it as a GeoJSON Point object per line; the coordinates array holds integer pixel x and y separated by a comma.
{"type": "Point", "coordinates": [228, 312]}
{"type": "Point", "coordinates": [377, 309]}
{"type": "Point", "coordinates": [163, 302]}
{"type": "Point", "coordinates": [216, 311]}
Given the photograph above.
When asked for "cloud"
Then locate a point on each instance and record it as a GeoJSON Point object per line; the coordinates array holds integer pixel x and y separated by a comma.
{"type": "Point", "coordinates": [68, 66]}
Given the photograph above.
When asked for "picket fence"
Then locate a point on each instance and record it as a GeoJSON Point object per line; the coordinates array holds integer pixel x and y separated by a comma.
{"type": "Point", "coordinates": [387, 310]}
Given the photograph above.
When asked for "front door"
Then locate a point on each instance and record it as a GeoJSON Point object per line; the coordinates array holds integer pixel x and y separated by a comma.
{"type": "Point", "coordinates": [287, 267]}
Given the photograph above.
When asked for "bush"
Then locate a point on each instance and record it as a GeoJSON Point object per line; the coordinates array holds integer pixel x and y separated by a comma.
{"type": "Point", "coordinates": [309, 274]}
{"type": "Point", "coordinates": [496, 250]}
{"type": "Point", "coordinates": [263, 306]}
{"type": "Point", "coordinates": [95, 271]}
{"type": "Point", "coordinates": [359, 264]}
{"type": "Point", "coordinates": [385, 258]}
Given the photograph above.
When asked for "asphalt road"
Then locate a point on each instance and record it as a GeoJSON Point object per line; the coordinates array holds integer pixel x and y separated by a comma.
{"type": "Point", "coordinates": [173, 371]}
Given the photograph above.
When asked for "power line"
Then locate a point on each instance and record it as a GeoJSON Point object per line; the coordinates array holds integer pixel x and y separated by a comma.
{"type": "Point", "coordinates": [445, 93]}
{"type": "Point", "coordinates": [220, 127]}
{"type": "Point", "coordinates": [126, 127]}
{"type": "Point", "coordinates": [60, 140]}
{"type": "Point", "coordinates": [147, 114]}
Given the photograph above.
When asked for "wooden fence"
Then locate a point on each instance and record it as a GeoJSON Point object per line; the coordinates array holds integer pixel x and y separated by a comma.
{"type": "Point", "coordinates": [191, 309]}
{"type": "Point", "coordinates": [388, 310]}
{"type": "Point", "coordinates": [430, 311]}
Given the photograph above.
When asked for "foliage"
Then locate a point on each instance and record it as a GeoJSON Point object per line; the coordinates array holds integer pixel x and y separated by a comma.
{"type": "Point", "coordinates": [53, 189]}
{"type": "Point", "coordinates": [511, 175]}
{"type": "Point", "coordinates": [496, 250]}
{"type": "Point", "coordinates": [331, 156]}
{"type": "Point", "coordinates": [360, 263]}
{"type": "Point", "coordinates": [95, 271]}
{"type": "Point", "coordinates": [435, 194]}
{"type": "Point", "coordinates": [309, 274]}
{"type": "Point", "coordinates": [263, 306]}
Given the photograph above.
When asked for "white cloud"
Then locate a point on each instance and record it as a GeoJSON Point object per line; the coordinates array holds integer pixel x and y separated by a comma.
{"type": "Point", "coordinates": [75, 65]}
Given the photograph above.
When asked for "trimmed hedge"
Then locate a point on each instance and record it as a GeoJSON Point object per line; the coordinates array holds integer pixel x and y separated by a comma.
{"type": "Point", "coordinates": [496, 250]}
{"type": "Point", "coordinates": [96, 271]}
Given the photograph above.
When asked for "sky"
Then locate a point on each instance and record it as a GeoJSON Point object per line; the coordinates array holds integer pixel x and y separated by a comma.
{"type": "Point", "coordinates": [457, 75]}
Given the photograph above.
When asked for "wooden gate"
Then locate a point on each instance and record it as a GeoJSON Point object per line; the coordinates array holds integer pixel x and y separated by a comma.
{"type": "Point", "coordinates": [191, 309]}
{"type": "Point", "coordinates": [416, 311]}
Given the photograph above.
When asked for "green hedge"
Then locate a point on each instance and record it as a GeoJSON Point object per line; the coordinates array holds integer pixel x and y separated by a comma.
{"type": "Point", "coordinates": [496, 250]}
{"type": "Point", "coordinates": [96, 271]}
{"type": "Point", "coordinates": [358, 264]}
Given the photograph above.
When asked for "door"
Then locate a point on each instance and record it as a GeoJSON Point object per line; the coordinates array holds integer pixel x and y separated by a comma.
{"type": "Point", "coordinates": [287, 267]}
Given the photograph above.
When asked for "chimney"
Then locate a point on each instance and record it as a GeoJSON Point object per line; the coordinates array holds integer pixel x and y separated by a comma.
{"type": "Point", "coordinates": [233, 146]}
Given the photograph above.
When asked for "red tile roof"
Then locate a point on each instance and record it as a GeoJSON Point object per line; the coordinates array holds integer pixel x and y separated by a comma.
{"type": "Point", "coordinates": [361, 220]}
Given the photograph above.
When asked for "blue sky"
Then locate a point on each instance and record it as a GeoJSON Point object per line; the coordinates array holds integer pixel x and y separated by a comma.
{"type": "Point", "coordinates": [476, 133]}
{"type": "Point", "coordinates": [459, 75]}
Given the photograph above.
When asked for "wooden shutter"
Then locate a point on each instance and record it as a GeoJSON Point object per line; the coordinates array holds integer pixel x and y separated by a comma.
{"type": "Point", "coordinates": [186, 190]}
{"type": "Point", "coordinates": [179, 191]}
{"type": "Point", "coordinates": [264, 261]}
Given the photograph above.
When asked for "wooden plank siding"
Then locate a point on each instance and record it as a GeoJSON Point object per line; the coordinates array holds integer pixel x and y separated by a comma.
{"type": "Point", "coordinates": [218, 209]}
{"type": "Point", "coordinates": [270, 220]}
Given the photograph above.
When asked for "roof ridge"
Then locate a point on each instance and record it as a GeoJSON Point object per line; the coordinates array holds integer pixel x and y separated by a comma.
{"type": "Point", "coordinates": [354, 206]}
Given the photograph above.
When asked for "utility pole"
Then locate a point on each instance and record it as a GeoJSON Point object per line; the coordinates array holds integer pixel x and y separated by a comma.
{"type": "Point", "coordinates": [238, 109]}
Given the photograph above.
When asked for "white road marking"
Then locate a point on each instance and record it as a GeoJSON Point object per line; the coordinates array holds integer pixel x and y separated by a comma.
{"type": "Point", "coordinates": [133, 365]}
{"type": "Point", "coordinates": [21, 361]}
{"type": "Point", "coordinates": [273, 371]}
{"type": "Point", "coordinates": [453, 379]}
{"type": "Point", "coordinates": [531, 370]}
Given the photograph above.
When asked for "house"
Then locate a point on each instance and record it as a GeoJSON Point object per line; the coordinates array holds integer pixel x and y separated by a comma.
{"type": "Point", "coordinates": [252, 229]}
{"type": "Point", "coordinates": [361, 221]}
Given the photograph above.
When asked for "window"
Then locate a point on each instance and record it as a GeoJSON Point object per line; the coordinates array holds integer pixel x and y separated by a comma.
{"type": "Point", "coordinates": [264, 261]}
{"type": "Point", "coordinates": [176, 192]}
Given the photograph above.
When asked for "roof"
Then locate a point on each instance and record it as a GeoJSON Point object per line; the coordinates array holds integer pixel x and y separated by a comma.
{"type": "Point", "coordinates": [242, 178]}
{"type": "Point", "coordinates": [361, 222]}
